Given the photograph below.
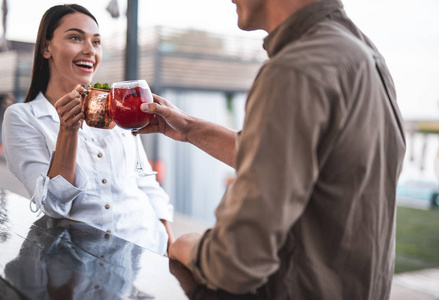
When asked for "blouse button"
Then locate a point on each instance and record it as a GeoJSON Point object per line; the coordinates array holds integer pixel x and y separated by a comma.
{"type": "Point", "coordinates": [107, 206]}
{"type": "Point", "coordinates": [100, 155]}
{"type": "Point", "coordinates": [106, 236]}
{"type": "Point", "coordinates": [109, 231]}
{"type": "Point", "coordinates": [104, 181]}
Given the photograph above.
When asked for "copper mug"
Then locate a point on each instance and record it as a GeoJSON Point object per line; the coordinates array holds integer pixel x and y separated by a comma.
{"type": "Point", "coordinates": [96, 108]}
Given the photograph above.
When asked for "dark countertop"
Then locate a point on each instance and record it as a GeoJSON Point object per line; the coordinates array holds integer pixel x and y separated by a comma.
{"type": "Point", "coordinates": [45, 258]}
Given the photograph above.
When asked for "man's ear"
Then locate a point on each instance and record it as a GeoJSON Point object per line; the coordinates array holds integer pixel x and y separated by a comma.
{"type": "Point", "coordinates": [46, 51]}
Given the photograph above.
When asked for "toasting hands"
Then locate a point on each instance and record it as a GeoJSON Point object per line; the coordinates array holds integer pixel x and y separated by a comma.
{"type": "Point", "coordinates": [169, 120]}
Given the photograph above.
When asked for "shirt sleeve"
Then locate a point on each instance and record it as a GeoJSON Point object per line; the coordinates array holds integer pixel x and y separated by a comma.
{"type": "Point", "coordinates": [158, 198]}
{"type": "Point", "coordinates": [277, 166]}
{"type": "Point", "coordinates": [28, 158]}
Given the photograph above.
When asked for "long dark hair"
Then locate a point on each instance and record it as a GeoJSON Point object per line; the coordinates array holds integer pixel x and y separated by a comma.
{"type": "Point", "coordinates": [49, 22]}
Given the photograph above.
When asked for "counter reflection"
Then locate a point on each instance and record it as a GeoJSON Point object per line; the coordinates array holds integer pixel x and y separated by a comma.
{"type": "Point", "coordinates": [63, 259]}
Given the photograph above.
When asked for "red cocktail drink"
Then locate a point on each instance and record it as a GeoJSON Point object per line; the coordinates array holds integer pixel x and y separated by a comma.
{"type": "Point", "coordinates": [125, 107]}
{"type": "Point", "coordinates": [126, 97]}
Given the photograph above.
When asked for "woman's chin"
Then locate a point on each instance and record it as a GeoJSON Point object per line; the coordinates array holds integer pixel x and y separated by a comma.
{"type": "Point", "coordinates": [85, 80]}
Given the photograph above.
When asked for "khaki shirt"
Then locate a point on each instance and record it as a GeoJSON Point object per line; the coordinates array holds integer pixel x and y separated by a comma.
{"type": "Point", "coordinates": [311, 213]}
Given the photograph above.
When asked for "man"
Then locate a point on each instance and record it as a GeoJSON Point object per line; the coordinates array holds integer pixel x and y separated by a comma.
{"type": "Point", "coordinates": [311, 213]}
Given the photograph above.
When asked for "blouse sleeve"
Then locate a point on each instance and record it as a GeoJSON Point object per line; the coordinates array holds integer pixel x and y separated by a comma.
{"type": "Point", "coordinates": [158, 198]}
{"type": "Point", "coordinates": [28, 157]}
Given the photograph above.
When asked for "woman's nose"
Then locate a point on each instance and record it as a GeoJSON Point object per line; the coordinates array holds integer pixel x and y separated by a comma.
{"type": "Point", "coordinates": [89, 48]}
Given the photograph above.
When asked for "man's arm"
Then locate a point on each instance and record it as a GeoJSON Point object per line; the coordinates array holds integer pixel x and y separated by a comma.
{"type": "Point", "coordinates": [181, 248]}
{"type": "Point", "coordinates": [277, 167]}
{"type": "Point", "coordinates": [216, 140]}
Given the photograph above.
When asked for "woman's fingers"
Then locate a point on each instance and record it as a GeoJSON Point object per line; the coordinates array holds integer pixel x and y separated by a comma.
{"type": "Point", "coordinates": [69, 108]}
{"type": "Point", "coordinates": [76, 119]}
{"type": "Point", "coordinates": [67, 98]}
{"type": "Point", "coordinates": [72, 105]}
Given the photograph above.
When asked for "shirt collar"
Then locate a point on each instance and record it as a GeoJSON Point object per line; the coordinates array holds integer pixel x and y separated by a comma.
{"type": "Point", "coordinates": [299, 23]}
{"type": "Point", "coordinates": [42, 107]}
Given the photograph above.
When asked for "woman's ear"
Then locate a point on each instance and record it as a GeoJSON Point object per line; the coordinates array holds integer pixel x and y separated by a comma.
{"type": "Point", "coordinates": [46, 51]}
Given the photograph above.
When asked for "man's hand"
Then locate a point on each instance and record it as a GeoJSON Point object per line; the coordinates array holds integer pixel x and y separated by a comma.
{"type": "Point", "coordinates": [214, 139]}
{"type": "Point", "coordinates": [183, 275]}
{"type": "Point", "coordinates": [168, 120]}
{"type": "Point", "coordinates": [181, 248]}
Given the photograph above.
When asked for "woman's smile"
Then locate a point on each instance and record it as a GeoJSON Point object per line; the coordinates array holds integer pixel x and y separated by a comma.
{"type": "Point", "coordinates": [85, 66]}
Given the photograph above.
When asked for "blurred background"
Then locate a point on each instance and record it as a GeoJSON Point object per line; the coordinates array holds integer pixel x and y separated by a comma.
{"type": "Point", "coordinates": [192, 53]}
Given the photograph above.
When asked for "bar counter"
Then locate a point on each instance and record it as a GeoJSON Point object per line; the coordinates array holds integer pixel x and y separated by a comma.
{"type": "Point", "coordinates": [46, 258]}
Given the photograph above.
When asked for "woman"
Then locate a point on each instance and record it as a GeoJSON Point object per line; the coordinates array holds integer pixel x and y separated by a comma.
{"type": "Point", "coordinates": [72, 170]}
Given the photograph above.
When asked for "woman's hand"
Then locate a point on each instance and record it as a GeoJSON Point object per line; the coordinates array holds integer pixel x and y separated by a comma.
{"type": "Point", "coordinates": [69, 109]}
{"type": "Point", "coordinates": [171, 238]}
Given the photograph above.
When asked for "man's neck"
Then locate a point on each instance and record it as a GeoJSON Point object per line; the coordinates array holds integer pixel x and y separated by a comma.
{"type": "Point", "coordinates": [279, 10]}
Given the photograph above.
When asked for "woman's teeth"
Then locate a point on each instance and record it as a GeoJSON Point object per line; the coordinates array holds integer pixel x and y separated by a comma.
{"type": "Point", "coordinates": [84, 64]}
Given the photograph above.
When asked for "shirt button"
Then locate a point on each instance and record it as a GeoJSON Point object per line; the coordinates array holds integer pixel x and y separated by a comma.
{"type": "Point", "coordinates": [109, 231]}
{"type": "Point", "coordinates": [107, 206]}
{"type": "Point", "coordinates": [104, 181]}
{"type": "Point", "coordinates": [100, 155]}
{"type": "Point", "coordinates": [106, 236]}
{"type": "Point", "coordinates": [92, 139]}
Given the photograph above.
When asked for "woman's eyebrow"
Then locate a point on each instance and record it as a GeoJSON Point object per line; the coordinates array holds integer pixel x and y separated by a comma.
{"type": "Point", "coordinates": [80, 31]}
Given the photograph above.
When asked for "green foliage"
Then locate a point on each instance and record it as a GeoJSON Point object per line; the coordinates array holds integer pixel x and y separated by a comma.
{"type": "Point", "coordinates": [98, 85]}
{"type": "Point", "coordinates": [417, 239]}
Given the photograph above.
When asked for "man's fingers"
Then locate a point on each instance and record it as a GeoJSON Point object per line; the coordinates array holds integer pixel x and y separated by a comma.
{"type": "Point", "coordinates": [162, 101]}
{"type": "Point", "coordinates": [159, 99]}
{"type": "Point", "coordinates": [154, 108]}
{"type": "Point", "coordinates": [149, 129]}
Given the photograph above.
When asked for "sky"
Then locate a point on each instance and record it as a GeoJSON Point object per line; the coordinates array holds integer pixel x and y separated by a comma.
{"type": "Point", "coordinates": [405, 31]}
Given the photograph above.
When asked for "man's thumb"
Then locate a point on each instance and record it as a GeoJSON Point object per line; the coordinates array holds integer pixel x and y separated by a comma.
{"type": "Point", "coordinates": [151, 108]}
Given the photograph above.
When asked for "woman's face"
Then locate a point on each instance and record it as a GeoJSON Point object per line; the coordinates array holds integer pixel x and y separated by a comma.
{"type": "Point", "coordinates": [75, 52]}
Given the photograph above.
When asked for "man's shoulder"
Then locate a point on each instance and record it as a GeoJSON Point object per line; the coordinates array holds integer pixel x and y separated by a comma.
{"type": "Point", "coordinates": [326, 48]}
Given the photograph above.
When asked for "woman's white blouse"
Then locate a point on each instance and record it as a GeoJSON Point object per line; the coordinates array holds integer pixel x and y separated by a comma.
{"type": "Point", "coordinates": [103, 195]}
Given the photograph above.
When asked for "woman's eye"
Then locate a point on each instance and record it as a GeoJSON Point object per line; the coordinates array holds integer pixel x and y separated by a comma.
{"type": "Point", "coordinates": [75, 38]}
{"type": "Point", "coordinates": [97, 42]}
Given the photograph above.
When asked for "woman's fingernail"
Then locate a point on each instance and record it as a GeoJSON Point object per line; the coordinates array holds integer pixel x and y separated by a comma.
{"type": "Point", "coordinates": [144, 107]}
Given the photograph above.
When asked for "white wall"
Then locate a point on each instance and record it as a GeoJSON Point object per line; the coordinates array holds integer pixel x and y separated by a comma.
{"type": "Point", "coordinates": [194, 180]}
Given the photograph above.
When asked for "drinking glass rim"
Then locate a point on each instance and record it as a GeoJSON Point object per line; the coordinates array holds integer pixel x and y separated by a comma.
{"type": "Point", "coordinates": [131, 83]}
